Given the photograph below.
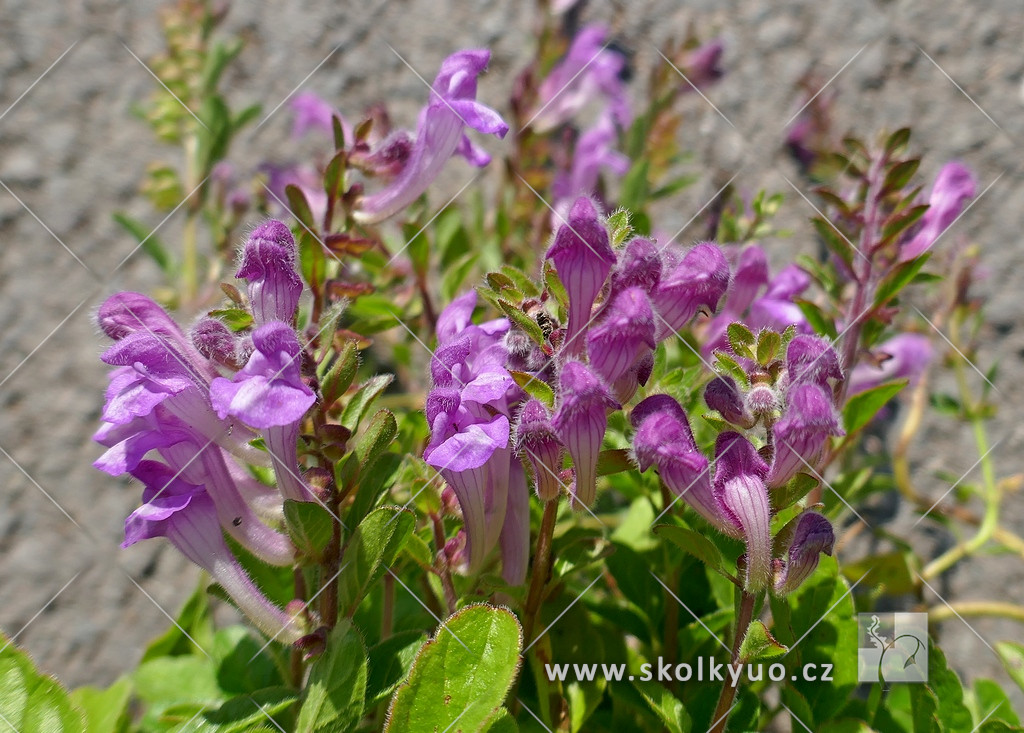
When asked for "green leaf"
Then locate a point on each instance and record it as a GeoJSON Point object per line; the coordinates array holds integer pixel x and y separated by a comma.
{"type": "Point", "coordinates": [619, 227]}
{"type": "Point", "coordinates": [503, 722]}
{"type": "Point", "coordinates": [309, 525]}
{"type": "Point", "coordinates": [897, 142]}
{"type": "Point", "coordinates": [835, 240]}
{"type": "Point", "coordinates": [234, 318]}
{"type": "Point", "coordinates": [769, 344]}
{"type": "Point", "coordinates": [612, 461]}
{"type": "Point", "coordinates": [822, 324]}
{"type": "Point", "coordinates": [730, 366]}
{"type": "Point", "coordinates": [374, 546]}
{"type": "Point", "coordinates": [902, 221]}
{"type": "Point", "coordinates": [741, 339]}
{"type": "Point", "coordinates": [462, 675]}
{"type": "Point", "coordinates": [455, 275]}
{"type": "Point", "coordinates": [992, 702]}
{"type": "Point", "coordinates": [312, 260]}
{"type": "Point", "coordinates": [863, 406]}
{"type": "Point", "coordinates": [796, 489]}
{"type": "Point", "coordinates": [30, 701]}
{"type": "Point", "coordinates": [894, 572]}
{"type": "Point", "coordinates": [693, 543]}
{"type": "Point", "coordinates": [335, 694]}
{"type": "Point", "coordinates": [299, 207]}
{"type": "Point", "coordinates": [360, 402]}
{"type": "Point", "coordinates": [666, 705]}
{"type": "Point", "coordinates": [246, 713]}
{"type": "Point", "coordinates": [106, 711]}
{"type": "Point", "coordinates": [148, 241]}
{"type": "Point", "coordinates": [522, 321]}
{"type": "Point", "coordinates": [374, 481]}
{"type": "Point", "coordinates": [635, 187]}
{"type": "Point", "coordinates": [760, 644]}
{"type": "Point", "coordinates": [535, 387]}
{"type": "Point", "coordinates": [390, 662]}
{"type": "Point", "coordinates": [899, 278]}
{"type": "Point", "coordinates": [166, 682]}
{"type": "Point", "coordinates": [377, 437]}
{"type": "Point", "coordinates": [900, 174]}
{"type": "Point", "coordinates": [1011, 654]}
{"type": "Point", "coordinates": [195, 620]}
{"type": "Point", "coordinates": [948, 691]}
{"type": "Point", "coordinates": [339, 377]}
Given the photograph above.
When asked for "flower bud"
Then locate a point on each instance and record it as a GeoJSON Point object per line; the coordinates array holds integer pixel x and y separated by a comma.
{"type": "Point", "coordinates": [268, 264]}
{"type": "Point", "coordinates": [215, 341]}
{"type": "Point", "coordinates": [802, 434]}
{"type": "Point", "coordinates": [811, 536]}
{"type": "Point", "coordinates": [722, 394]}
{"type": "Point", "coordinates": [639, 266]}
{"type": "Point", "coordinates": [536, 441]}
{"type": "Point", "coordinates": [697, 281]}
{"type": "Point", "coordinates": [583, 257]}
{"type": "Point", "coordinates": [580, 423]}
{"type": "Point", "coordinates": [625, 332]}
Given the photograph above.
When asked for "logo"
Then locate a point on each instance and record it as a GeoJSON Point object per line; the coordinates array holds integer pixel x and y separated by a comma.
{"type": "Point", "coordinates": [892, 647]}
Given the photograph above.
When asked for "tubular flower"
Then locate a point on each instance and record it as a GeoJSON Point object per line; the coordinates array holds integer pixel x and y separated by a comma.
{"type": "Point", "coordinates": [580, 423]}
{"type": "Point", "coordinates": [536, 441]}
{"type": "Point", "coordinates": [439, 135]}
{"type": "Point", "coordinates": [802, 434]}
{"type": "Point", "coordinates": [808, 536]}
{"type": "Point", "coordinates": [954, 186]}
{"type": "Point", "coordinates": [623, 334]}
{"type": "Point", "coordinates": [583, 256]}
{"type": "Point", "coordinates": [904, 356]}
{"type": "Point", "coordinates": [185, 514]}
{"type": "Point", "coordinates": [590, 70]}
{"type": "Point", "coordinates": [268, 265]}
{"type": "Point", "coordinates": [695, 281]}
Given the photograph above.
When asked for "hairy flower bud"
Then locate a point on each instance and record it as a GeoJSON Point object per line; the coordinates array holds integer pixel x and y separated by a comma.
{"type": "Point", "coordinates": [698, 280]}
{"type": "Point", "coordinates": [722, 394]}
{"type": "Point", "coordinates": [624, 333]}
{"type": "Point", "coordinates": [583, 256]}
{"type": "Point", "coordinates": [536, 441]}
{"type": "Point", "coordinates": [268, 264]}
{"type": "Point", "coordinates": [580, 422]}
{"type": "Point", "coordinates": [811, 536]}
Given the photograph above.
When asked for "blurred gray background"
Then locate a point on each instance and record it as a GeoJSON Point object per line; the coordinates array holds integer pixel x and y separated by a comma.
{"type": "Point", "coordinates": [72, 153]}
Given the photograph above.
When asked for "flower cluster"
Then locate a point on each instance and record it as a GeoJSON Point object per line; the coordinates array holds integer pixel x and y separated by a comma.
{"type": "Point", "coordinates": [792, 398]}
{"type": "Point", "coordinates": [169, 399]}
{"type": "Point", "coordinates": [408, 164]}
{"type": "Point", "coordinates": [486, 428]}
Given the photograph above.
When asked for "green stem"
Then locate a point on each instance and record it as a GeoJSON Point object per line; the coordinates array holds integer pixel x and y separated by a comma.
{"type": "Point", "coordinates": [991, 493]}
{"type": "Point", "coordinates": [743, 619]}
{"type": "Point", "coordinates": [998, 609]}
{"type": "Point", "coordinates": [541, 569]}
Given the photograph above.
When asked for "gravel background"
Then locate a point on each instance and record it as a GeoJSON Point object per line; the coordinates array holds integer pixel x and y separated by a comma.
{"type": "Point", "coordinates": [71, 153]}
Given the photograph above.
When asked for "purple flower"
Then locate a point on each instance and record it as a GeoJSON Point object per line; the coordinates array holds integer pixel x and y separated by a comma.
{"type": "Point", "coordinates": [701, 65]}
{"type": "Point", "coordinates": [739, 484]}
{"type": "Point", "coordinates": [905, 356]}
{"type": "Point", "coordinates": [594, 152]}
{"type": "Point", "coordinates": [954, 186]}
{"type": "Point", "coordinates": [388, 158]}
{"type": "Point", "coordinates": [590, 71]}
{"type": "Point", "coordinates": [583, 257]}
{"type": "Point", "coordinates": [801, 436]}
{"type": "Point", "coordinates": [312, 112]}
{"type": "Point", "coordinates": [639, 266]}
{"type": "Point", "coordinates": [722, 394]}
{"type": "Point", "coordinates": [811, 535]}
{"type": "Point", "coordinates": [439, 134]}
{"type": "Point", "coordinates": [474, 461]}
{"type": "Point", "coordinates": [812, 359]}
{"type": "Point", "coordinates": [515, 530]}
{"type": "Point", "coordinates": [268, 264]}
{"type": "Point", "coordinates": [214, 340]}
{"type": "Point", "coordinates": [580, 422]}
{"type": "Point", "coordinates": [268, 393]}
{"type": "Point", "coordinates": [663, 438]}
{"type": "Point", "coordinates": [735, 501]}
{"type": "Point", "coordinates": [185, 514]}
{"type": "Point", "coordinates": [696, 280]}
{"type": "Point", "coordinates": [624, 333]}
{"type": "Point", "coordinates": [536, 441]}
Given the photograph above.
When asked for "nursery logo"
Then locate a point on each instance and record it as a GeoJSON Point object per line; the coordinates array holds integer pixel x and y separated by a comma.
{"type": "Point", "coordinates": [893, 647]}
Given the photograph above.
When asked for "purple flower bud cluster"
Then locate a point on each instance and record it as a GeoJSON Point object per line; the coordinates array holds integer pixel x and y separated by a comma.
{"type": "Point", "coordinates": [485, 428]}
{"type": "Point", "coordinates": [742, 493]}
{"type": "Point", "coordinates": [175, 422]}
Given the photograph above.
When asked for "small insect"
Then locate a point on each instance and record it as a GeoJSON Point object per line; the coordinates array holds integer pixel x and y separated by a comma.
{"type": "Point", "coordinates": [237, 521]}
{"type": "Point", "coordinates": [536, 311]}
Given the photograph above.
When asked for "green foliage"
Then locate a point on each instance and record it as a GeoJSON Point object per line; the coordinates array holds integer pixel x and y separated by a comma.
{"type": "Point", "coordinates": [333, 699]}
{"type": "Point", "coordinates": [461, 675]}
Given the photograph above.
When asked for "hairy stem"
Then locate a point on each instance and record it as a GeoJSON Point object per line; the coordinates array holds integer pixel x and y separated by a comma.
{"type": "Point", "coordinates": [443, 570]}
